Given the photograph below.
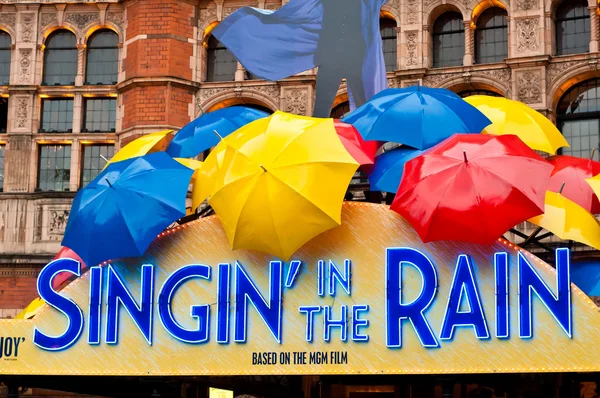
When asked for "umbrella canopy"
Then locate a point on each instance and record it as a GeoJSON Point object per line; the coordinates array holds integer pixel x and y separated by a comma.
{"type": "Point", "coordinates": [154, 142]}
{"type": "Point", "coordinates": [387, 172]}
{"type": "Point", "coordinates": [514, 117]}
{"type": "Point", "coordinates": [32, 309]}
{"type": "Point", "coordinates": [65, 252]}
{"type": "Point", "coordinates": [280, 182]}
{"type": "Point", "coordinates": [472, 188]}
{"type": "Point", "coordinates": [191, 164]}
{"type": "Point", "coordinates": [420, 117]}
{"type": "Point", "coordinates": [122, 210]}
{"type": "Point", "coordinates": [594, 183]}
{"type": "Point", "coordinates": [573, 172]}
{"type": "Point", "coordinates": [569, 221]}
{"type": "Point", "coordinates": [199, 135]}
{"type": "Point", "coordinates": [362, 151]}
{"type": "Point", "coordinates": [585, 273]}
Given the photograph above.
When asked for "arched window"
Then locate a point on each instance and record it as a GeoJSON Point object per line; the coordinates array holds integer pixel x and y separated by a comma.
{"type": "Point", "coordinates": [60, 59]}
{"type": "Point", "coordinates": [573, 32]}
{"type": "Point", "coordinates": [102, 58]}
{"type": "Point", "coordinates": [448, 40]}
{"type": "Point", "coordinates": [491, 36]}
{"type": "Point", "coordinates": [221, 64]}
{"type": "Point", "coordinates": [390, 48]}
{"type": "Point", "coordinates": [469, 93]}
{"type": "Point", "coordinates": [578, 114]}
{"type": "Point", "coordinates": [5, 43]}
{"type": "Point", "coordinates": [340, 110]}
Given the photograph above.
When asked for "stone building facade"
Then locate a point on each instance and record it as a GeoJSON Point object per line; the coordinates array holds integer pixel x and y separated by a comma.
{"type": "Point", "coordinates": [83, 78]}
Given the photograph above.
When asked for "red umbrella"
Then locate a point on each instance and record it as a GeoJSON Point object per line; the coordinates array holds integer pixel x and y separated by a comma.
{"type": "Point", "coordinates": [572, 172]}
{"type": "Point", "coordinates": [362, 151]}
{"type": "Point", "coordinates": [65, 252]}
{"type": "Point", "coordinates": [472, 187]}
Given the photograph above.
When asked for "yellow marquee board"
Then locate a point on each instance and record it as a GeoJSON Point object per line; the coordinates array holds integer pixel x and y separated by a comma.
{"type": "Point", "coordinates": [358, 259]}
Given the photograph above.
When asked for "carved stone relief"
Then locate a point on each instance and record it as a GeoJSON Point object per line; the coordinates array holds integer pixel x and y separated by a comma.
{"type": "Point", "coordinates": [116, 18]}
{"type": "Point", "coordinates": [527, 4]}
{"type": "Point", "coordinates": [295, 101]}
{"type": "Point", "coordinates": [81, 20]}
{"type": "Point", "coordinates": [8, 20]}
{"type": "Point", "coordinates": [208, 14]}
{"type": "Point", "coordinates": [411, 11]}
{"type": "Point", "coordinates": [27, 27]}
{"type": "Point", "coordinates": [49, 222]}
{"type": "Point", "coordinates": [528, 34]}
{"type": "Point", "coordinates": [411, 48]}
{"type": "Point", "coordinates": [25, 64]}
{"type": "Point", "coordinates": [48, 19]}
{"type": "Point", "coordinates": [227, 11]}
{"type": "Point", "coordinates": [22, 110]}
{"type": "Point", "coordinates": [395, 4]}
{"type": "Point", "coordinates": [528, 86]}
{"type": "Point", "coordinates": [555, 71]}
{"type": "Point", "coordinates": [57, 222]}
{"type": "Point", "coordinates": [393, 82]}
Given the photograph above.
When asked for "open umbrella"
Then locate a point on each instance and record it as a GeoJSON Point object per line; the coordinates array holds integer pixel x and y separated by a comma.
{"type": "Point", "coordinates": [573, 172]}
{"type": "Point", "coordinates": [569, 221]}
{"type": "Point", "coordinates": [198, 136]}
{"type": "Point", "coordinates": [362, 151]}
{"type": "Point", "coordinates": [594, 183]}
{"type": "Point", "coordinates": [387, 172]}
{"type": "Point", "coordinates": [514, 117]}
{"type": "Point", "coordinates": [281, 181]}
{"type": "Point", "coordinates": [472, 188]}
{"type": "Point", "coordinates": [416, 116]}
{"type": "Point", "coordinates": [154, 142]}
{"type": "Point", "coordinates": [122, 210]}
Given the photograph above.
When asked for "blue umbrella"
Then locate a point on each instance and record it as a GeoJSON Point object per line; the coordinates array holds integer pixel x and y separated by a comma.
{"type": "Point", "coordinates": [389, 166]}
{"type": "Point", "coordinates": [420, 117]}
{"type": "Point", "coordinates": [122, 210]}
{"type": "Point", "coordinates": [586, 275]}
{"type": "Point", "coordinates": [199, 135]}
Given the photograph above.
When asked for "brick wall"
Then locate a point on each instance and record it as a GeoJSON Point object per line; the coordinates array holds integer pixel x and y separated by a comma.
{"type": "Point", "coordinates": [16, 292]}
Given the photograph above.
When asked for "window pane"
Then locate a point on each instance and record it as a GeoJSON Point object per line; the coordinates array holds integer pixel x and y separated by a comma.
{"type": "Point", "coordinates": [57, 115]}
{"type": "Point", "coordinates": [491, 36]}
{"type": "Point", "coordinates": [448, 40]}
{"type": "Point", "coordinates": [388, 37]}
{"type": "Point", "coordinates": [60, 59]}
{"type": "Point", "coordinates": [580, 99]}
{"type": "Point", "coordinates": [582, 136]}
{"type": "Point", "coordinates": [100, 114]}
{"type": "Point", "coordinates": [221, 64]}
{"type": "Point", "coordinates": [573, 32]}
{"type": "Point", "coordinates": [93, 161]}
{"type": "Point", "coordinates": [5, 53]}
{"type": "Point", "coordinates": [102, 58]}
{"type": "Point", "coordinates": [2, 156]}
{"type": "Point", "coordinates": [54, 169]}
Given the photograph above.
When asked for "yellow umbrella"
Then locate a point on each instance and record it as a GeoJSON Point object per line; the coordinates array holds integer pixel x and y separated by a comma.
{"type": "Point", "coordinates": [278, 182]}
{"type": "Point", "coordinates": [191, 164]}
{"type": "Point", "coordinates": [148, 143]}
{"type": "Point", "coordinates": [32, 309]}
{"type": "Point", "coordinates": [514, 117]}
{"type": "Point", "coordinates": [594, 182]}
{"type": "Point", "coordinates": [569, 221]}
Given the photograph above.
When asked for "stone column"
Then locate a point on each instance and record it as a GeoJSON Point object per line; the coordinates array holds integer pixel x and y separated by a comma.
{"type": "Point", "coordinates": [594, 25]}
{"type": "Point", "coordinates": [240, 73]}
{"type": "Point", "coordinates": [80, 65]}
{"type": "Point", "coordinates": [468, 58]}
{"type": "Point", "coordinates": [77, 113]}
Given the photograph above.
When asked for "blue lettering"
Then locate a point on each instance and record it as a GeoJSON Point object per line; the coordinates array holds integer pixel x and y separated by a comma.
{"type": "Point", "coordinates": [335, 275]}
{"type": "Point", "coordinates": [67, 306]}
{"type": "Point", "coordinates": [95, 305]}
{"type": "Point", "coordinates": [309, 310]}
{"type": "Point", "coordinates": [329, 323]}
{"type": "Point", "coordinates": [223, 304]}
{"type": "Point", "coordinates": [201, 313]}
{"type": "Point", "coordinates": [357, 323]}
{"type": "Point", "coordinates": [501, 290]}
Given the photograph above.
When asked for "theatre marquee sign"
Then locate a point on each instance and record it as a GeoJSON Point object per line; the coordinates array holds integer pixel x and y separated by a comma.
{"type": "Point", "coordinates": [367, 297]}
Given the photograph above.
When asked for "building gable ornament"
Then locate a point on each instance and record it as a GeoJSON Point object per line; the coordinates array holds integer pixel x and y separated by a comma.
{"type": "Point", "coordinates": [527, 34]}
{"type": "Point", "coordinates": [25, 63]}
{"type": "Point", "coordinates": [81, 20]}
{"type": "Point", "coordinates": [27, 27]}
{"type": "Point", "coordinates": [8, 19]}
{"type": "Point", "coordinates": [528, 87]}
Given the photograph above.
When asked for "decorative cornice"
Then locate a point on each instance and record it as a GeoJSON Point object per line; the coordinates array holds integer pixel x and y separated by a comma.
{"type": "Point", "coordinates": [156, 81]}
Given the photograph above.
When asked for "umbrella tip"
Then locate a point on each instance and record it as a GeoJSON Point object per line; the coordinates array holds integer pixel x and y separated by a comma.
{"type": "Point", "coordinates": [108, 182]}
{"type": "Point", "coordinates": [218, 135]}
{"type": "Point", "coordinates": [465, 156]}
{"type": "Point", "coordinates": [562, 187]}
{"type": "Point", "coordinates": [263, 167]}
{"type": "Point", "coordinates": [593, 153]}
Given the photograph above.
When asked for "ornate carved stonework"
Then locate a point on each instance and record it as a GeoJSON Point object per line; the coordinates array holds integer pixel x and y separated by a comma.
{"type": "Point", "coordinates": [48, 19]}
{"type": "Point", "coordinates": [427, 3]}
{"type": "Point", "coordinates": [228, 11]}
{"type": "Point", "coordinates": [22, 112]}
{"type": "Point", "coordinates": [57, 222]}
{"type": "Point", "coordinates": [393, 82]}
{"type": "Point", "coordinates": [116, 18]}
{"type": "Point", "coordinates": [27, 27]}
{"type": "Point", "coordinates": [527, 4]}
{"type": "Point", "coordinates": [502, 75]}
{"type": "Point", "coordinates": [8, 20]}
{"type": "Point", "coordinates": [528, 34]}
{"type": "Point", "coordinates": [556, 70]}
{"type": "Point", "coordinates": [436, 80]}
{"type": "Point", "coordinates": [271, 91]}
{"type": "Point", "coordinates": [528, 86]}
{"type": "Point", "coordinates": [25, 63]}
{"type": "Point", "coordinates": [81, 20]}
{"type": "Point", "coordinates": [208, 14]}
{"type": "Point", "coordinates": [411, 48]}
{"type": "Point", "coordinates": [295, 101]}
{"type": "Point", "coordinates": [395, 4]}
